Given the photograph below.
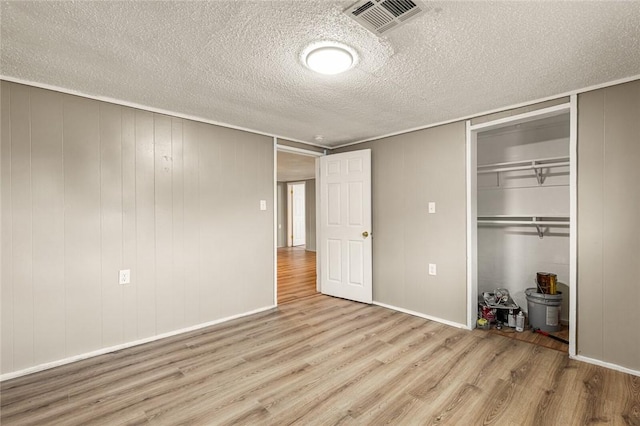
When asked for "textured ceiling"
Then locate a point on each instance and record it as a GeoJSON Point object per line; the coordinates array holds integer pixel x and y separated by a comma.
{"type": "Point", "coordinates": [238, 62]}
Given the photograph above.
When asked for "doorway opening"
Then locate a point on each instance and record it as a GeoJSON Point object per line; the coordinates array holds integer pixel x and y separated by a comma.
{"type": "Point", "coordinates": [295, 223]}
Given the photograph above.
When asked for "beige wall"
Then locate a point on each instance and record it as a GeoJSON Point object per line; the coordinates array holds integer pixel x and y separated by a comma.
{"type": "Point", "coordinates": [281, 215]}
{"type": "Point", "coordinates": [609, 225]}
{"type": "Point", "coordinates": [408, 171]}
{"type": "Point", "coordinates": [310, 214]}
{"type": "Point", "coordinates": [89, 188]}
{"type": "Point", "coordinates": [408, 168]}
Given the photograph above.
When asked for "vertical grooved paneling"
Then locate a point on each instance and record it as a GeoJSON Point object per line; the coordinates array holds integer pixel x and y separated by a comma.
{"type": "Point", "coordinates": [228, 192]}
{"type": "Point", "coordinates": [210, 201]}
{"type": "Point", "coordinates": [22, 282]}
{"type": "Point", "coordinates": [418, 180]}
{"type": "Point", "coordinates": [608, 229]}
{"type": "Point", "coordinates": [408, 171]}
{"type": "Point", "coordinates": [177, 236]}
{"type": "Point", "coordinates": [48, 225]}
{"type": "Point", "coordinates": [144, 277]}
{"type": "Point", "coordinates": [89, 188]}
{"type": "Point", "coordinates": [82, 224]}
{"type": "Point", "coordinates": [191, 161]}
{"type": "Point", "coordinates": [6, 236]}
{"type": "Point", "coordinates": [111, 222]}
{"type": "Point", "coordinates": [621, 289]}
{"type": "Point", "coordinates": [590, 221]}
{"type": "Point", "coordinates": [163, 224]}
{"type": "Point", "coordinates": [388, 202]}
{"type": "Point", "coordinates": [256, 156]}
{"type": "Point", "coordinates": [129, 245]}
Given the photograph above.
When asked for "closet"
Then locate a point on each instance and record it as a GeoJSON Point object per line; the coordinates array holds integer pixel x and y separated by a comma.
{"type": "Point", "coordinates": [521, 203]}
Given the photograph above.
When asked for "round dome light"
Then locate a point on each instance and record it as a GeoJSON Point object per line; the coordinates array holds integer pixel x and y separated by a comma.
{"type": "Point", "coordinates": [329, 60]}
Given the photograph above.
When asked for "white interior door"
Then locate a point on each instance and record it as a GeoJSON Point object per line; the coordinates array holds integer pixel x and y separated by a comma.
{"type": "Point", "coordinates": [344, 244]}
{"type": "Point", "coordinates": [298, 214]}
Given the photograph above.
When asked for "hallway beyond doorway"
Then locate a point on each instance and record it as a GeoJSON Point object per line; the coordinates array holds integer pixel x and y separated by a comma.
{"type": "Point", "coordinates": [296, 273]}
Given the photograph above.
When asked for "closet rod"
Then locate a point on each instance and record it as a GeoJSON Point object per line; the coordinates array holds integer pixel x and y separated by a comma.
{"type": "Point", "coordinates": [528, 167]}
{"type": "Point", "coordinates": [523, 222]}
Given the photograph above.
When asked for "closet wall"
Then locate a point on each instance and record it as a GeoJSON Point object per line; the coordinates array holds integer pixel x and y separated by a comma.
{"type": "Point", "coordinates": [508, 255]}
{"type": "Point", "coordinates": [608, 225]}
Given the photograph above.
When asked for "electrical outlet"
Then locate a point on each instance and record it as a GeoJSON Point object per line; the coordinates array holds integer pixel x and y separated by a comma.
{"type": "Point", "coordinates": [432, 207]}
{"type": "Point", "coordinates": [432, 269]}
{"type": "Point", "coordinates": [263, 204]}
{"type": "Point", "coordinates": [124, 276]}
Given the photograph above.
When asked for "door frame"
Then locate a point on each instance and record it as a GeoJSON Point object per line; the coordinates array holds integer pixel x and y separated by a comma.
{"type": "Point", "coordinates": [472, 214]}
{"type": "Point", "coordinates": [293, 150]}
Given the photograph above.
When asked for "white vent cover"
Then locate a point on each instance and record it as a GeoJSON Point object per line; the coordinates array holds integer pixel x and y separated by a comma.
{"type": "Point", "coordinates": [382, 16]}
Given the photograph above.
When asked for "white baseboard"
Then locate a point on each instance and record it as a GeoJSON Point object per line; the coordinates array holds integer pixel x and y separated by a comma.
{"type": "Point", "coordinates": [421, 315]}
{"type": "Point", "coordinates": [606, 365]}
{"type": "Point", "coordinates": [103, 351]}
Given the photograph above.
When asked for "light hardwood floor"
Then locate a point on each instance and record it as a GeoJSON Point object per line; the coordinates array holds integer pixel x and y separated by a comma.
{"type": "Point", "coordinates": [529, 336]}
{"type": "Point", "coordinates": [296, 274]}
{"type": "Point", "coordinates": [325, 361]}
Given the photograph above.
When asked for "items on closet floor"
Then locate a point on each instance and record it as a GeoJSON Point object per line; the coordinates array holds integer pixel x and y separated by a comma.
{"type": "Point", "coordinates": [498, 309]}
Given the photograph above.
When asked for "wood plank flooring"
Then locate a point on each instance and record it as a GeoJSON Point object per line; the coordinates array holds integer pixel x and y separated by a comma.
{"type": "Point", "coordinates": [319, 360]}
{"type": "Point", "coordinates": [538, 339]}
{"type": "Point", "coordinates": [296, 274]}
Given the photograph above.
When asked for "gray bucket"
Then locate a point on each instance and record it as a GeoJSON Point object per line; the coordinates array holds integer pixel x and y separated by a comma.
{"type": "Point", "coordinates": [544, 309]}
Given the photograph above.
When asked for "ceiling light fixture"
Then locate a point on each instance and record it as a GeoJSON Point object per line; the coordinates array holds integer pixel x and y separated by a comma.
{"type": "Point", "coordinates": [329, 59]}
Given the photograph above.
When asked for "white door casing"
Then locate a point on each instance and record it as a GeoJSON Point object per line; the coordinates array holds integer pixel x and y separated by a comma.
{"type": "Point", "coordinates": [345, 241]}
{"type": "Point", "coordinates": [298, 214]}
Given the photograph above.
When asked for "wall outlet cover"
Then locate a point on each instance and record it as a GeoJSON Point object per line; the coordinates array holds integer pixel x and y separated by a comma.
{"type": "Point", "coordinates": [124, 276]}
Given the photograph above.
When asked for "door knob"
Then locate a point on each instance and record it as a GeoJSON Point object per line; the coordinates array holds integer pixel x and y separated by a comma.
{"type": "Point", "coordinates": [365, 234]}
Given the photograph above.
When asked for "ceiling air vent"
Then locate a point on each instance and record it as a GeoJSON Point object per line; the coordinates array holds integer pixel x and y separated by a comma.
{"type": "Point", "coordinates": [382, 16]}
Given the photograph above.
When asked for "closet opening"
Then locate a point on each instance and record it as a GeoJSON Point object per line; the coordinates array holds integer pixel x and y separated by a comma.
{"type": "Point", "coordinates": [521, 226]}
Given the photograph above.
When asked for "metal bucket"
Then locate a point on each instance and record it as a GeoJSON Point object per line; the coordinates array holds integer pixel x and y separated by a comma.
{"type": "Point", "coordinates": [546, 282]}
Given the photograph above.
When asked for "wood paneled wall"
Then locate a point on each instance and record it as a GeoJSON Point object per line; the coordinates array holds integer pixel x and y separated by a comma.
{"type": "Point", "coordinates": [608, 225]}
{"type": "Point", "coordinates": [408, 171]}
{"type": "Point", "coordinates": [89, 188]}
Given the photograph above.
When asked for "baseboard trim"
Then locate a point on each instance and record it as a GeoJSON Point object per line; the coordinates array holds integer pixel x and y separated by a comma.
{"type": "Point", "coordinates": [52, 364]}
{"type": "Point", "coordinates": [606, 365]}
{"type": "Point", "coordinates": [421, 315]}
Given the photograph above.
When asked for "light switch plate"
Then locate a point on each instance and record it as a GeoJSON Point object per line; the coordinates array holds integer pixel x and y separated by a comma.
{"type": "Point", "coordinates": [263, 204]}
{"type": "Point", "coordinates": [124, 276]}
{"type": "Point", "coordinates": [432, 207]}
{"type": "Point", "coordinates": [432, 269]}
